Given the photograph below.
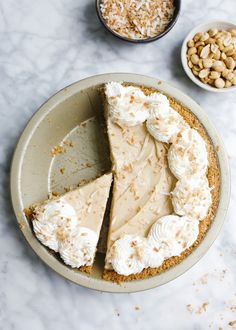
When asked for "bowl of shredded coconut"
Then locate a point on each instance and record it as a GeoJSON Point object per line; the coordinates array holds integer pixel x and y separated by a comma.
{"type": "Point", "coordinates": [138, 21]}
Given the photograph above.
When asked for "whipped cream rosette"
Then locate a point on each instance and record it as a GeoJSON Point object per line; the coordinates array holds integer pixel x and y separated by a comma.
{"type": "Point", "coordinates": [124, 255]}
{"type": "Point", "coordinates": [78, 248]}
{"type": "Point", "coordinates": [57, 220]}
{"type": "Point", "coordinates": [187, 157]}
{"type": "Point", "coordinates": [192, 197]}
{"type": "Point", "coordinates": [174, 234]}
{"type": "Point", "coordinates": [164, 126]}
{"type": "Point", "coordinates": [127, 105]}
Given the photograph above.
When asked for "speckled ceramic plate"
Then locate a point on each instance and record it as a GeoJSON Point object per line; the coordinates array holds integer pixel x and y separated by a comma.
{"type": "Point", "coordinates": [35, 172]}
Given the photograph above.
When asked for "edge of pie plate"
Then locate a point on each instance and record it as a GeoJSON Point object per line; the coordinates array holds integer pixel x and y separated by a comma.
{"type": "Point", "coordinates": [54, 107]}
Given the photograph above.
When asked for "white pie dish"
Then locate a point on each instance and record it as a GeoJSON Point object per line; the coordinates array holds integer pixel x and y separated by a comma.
{"type": "Point", "coordinates": [65, 110]}
{"type": "Point", "coordinates": [220, 25]}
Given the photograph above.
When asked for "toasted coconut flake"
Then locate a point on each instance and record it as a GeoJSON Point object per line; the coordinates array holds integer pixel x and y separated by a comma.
{"type": "Point", "coordinates": [137, 19]}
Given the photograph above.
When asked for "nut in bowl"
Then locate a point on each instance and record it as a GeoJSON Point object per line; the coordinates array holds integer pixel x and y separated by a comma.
{"type": "Point", "coordinates": [208, 56]}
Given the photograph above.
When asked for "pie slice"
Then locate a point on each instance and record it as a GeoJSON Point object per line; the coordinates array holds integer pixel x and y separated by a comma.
{"type": "Point", "coordinates": [151, 227]}
{"type": "Point", "coordinates": [71, 224]}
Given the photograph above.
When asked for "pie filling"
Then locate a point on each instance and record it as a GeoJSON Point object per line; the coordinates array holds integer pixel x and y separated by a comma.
{"type": "Point", "coordinates": [162, 190]}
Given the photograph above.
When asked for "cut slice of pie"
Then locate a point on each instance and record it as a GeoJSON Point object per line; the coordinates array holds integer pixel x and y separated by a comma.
{"type": "Point", "coordinates": [151, 227]}
{"type": "Point", "coordinates": [71, 224]}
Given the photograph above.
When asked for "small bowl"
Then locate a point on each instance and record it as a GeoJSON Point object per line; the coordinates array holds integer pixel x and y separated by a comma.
{"type": "Point", "coordinates": [177, 4]}
{"type": "Point", "coordinates": [220, 25]}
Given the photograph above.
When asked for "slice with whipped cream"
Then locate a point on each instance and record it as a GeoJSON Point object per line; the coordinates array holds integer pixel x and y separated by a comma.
{"type": "Point", "coordinates": [161, 194]}
{"type": "Point", "coordinates": [71, 224]}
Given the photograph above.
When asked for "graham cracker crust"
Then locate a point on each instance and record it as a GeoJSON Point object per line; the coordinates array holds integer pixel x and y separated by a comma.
{"type": "Point", "coordinates": [86, 269]}
{"type": "Point", "coordinates": [213, 176]}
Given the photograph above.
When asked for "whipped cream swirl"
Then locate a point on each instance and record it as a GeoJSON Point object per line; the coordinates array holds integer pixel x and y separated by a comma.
{"type": "Point", "coordinates": [159, 106]}
{"type": "Point", "coordinates": [151, 253]}
{"type": "Point", "coordinates": [53, 220]}
{"type": "Point", "coordinates": [164, 126]}
{"type": "Point", "coordinates": [174, 234]}
{"type": "Point", "coordinates": [187, 157]}
{"type": "Point", "coordinates": [78, 249]}
{"type": "Point", "coordinates": [124, 255]}
{"type": "Point", "coordinates": [56, 226]}
{"type": "Point", "coordinates": [127, 105]}
{"type": "Point", "coordinates": [192, 197]}
{"type": "Point", "coordinates": [169, 236]}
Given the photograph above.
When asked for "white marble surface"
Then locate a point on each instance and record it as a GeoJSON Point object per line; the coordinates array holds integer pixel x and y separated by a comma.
{"type": "Point", "coordinates": [44, 46]}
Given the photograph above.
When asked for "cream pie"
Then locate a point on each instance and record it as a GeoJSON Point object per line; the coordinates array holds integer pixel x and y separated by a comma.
{"type": "Point", "coordinates": [71, 224]}
{"type": "Point", "coordinates": [166, 182]}
{"type": "Point", "coordinates": [165, 190]}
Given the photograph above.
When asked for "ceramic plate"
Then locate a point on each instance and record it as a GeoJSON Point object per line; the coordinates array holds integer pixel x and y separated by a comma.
{"type": "Point", "coordinates": [35, 172]}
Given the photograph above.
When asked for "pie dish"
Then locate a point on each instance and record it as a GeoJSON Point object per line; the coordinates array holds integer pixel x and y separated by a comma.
{"type": "Point", "coordinates": [90, 88]}
{"type": "Point", "coordinates": [165, 191]}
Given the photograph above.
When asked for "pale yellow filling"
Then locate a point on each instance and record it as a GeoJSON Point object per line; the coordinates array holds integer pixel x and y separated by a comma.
{"type": "Point", "coordinates": [90, 201]}
{"type": "Point", "coordinates": [142, 181]}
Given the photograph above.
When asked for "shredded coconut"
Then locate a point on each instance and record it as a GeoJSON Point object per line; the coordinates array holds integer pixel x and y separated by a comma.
{"type": "Point", "coordinates": [137, 19]}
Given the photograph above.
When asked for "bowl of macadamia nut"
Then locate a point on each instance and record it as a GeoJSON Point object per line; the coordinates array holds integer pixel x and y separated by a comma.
{"type": "Point", "coordinates": [208, 56]}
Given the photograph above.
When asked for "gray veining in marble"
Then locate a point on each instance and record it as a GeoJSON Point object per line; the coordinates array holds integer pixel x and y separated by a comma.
{"type": "Point", "coordinates": [44, 46]}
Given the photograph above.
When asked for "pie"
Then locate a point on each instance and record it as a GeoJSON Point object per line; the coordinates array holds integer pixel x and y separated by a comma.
{"type": "Point", "coordinates": [165, 191]}
{"type": "Point", "coordinates": [71, 224]}
{"type": "Point", "coordinates": [166, 182]}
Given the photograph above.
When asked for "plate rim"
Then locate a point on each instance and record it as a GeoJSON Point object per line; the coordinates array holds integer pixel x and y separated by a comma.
{"type": "Point", "coordinates": [81, 278]}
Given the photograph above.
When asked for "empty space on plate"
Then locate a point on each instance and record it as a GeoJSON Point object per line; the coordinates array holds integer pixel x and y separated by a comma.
{"type": "Point", "coordinates": [83, 155]}
{"type": "Point", "coordinates": [40, 165]}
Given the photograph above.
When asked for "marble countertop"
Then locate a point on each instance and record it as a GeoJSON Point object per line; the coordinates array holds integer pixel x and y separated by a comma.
{"type": "Point", "coordinates": [44, 46]}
